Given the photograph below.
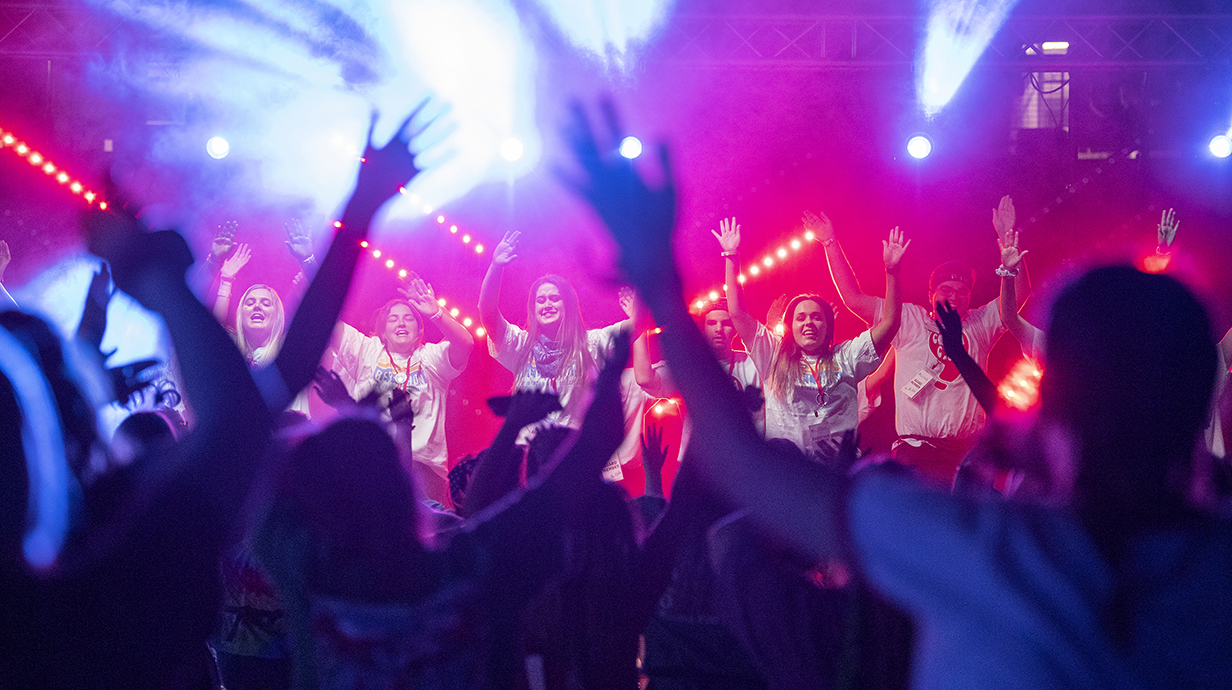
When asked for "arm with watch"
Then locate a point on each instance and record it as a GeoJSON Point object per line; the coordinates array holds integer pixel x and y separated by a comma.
{"type": "Point", "coordinates": [1003, 218]}
{"type": "Point", "coordinates": [1011, 272]}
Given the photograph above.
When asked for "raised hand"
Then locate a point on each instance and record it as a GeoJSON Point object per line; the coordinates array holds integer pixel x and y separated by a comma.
{"type": "Point", "coordinates": [387, 169]}
{"type": "Point", "coordinates": [1003, 217]}
{"type": "Point", "coordinates": [238, 260]}
{"type": "Point", "coordinates": [331, 389]}
{"type": "Point", "coordinates": [299, 242]}
{"type": "Point", "coordinates": [1168, 225]}
{"type": "Point", "coordinates": [1010, 256]}
{"type": "Point", "coordinates": [506, 249]}
{"type": "Point", "coordinates": [5, 257]}
{"type": "Point", "coordinates": [892, 250]}
{"type": "Point", "coordinates": [421, 296]}
{"type": "Point", "coordinates": [728, 235]}
{"type": "Point", "coordinates": [949, 323]}
{"type": "Point", "coordinates": [820, 225]}
{"type": "Point", "coordinates": [639, 216]}
{"type": "Point", "coordinates": [143, 264]}
{"type": "Point", "coordinates": [628, 301]}
{"type": "Point", "coordinates": [654, 453]}
{"type": "Point", "coordinates": [224, 240]}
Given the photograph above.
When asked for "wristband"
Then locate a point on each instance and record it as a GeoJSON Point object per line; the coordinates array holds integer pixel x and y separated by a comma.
{"type": "Point", "coordinates": [439, 313]}
{"type": "Point", "coordinates": [827, 243]}
{"type": "Point", "coordinates": [735, 253]}
{"type": "Point", "coordinates": [1161, 250]}
{"type": "Point", "coordinates": [312, 259]}
{"type": "Point", "coordinates": [1005, 272]}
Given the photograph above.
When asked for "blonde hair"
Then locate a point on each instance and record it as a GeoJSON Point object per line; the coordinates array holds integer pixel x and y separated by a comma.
{"type": "Point", "coordinates": [274, 344]}
{"type": "Point", "coordinates": [785, 369]}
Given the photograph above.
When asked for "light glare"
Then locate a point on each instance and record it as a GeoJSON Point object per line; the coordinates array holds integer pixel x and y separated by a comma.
{"type": "Point", "coordinates": [630, 147]}
{"type": "Point", "coordinates": [511, 149]}
{"type": "Point", "coordinates": [217, 147]}
{"type": "Point", "coordinates": [919, 146]}
{"type": "Point", "coordinates": [1221, 146]}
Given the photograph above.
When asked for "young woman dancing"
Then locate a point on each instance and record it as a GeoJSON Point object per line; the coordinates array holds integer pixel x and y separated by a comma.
{"type": "Point", "coordinates": [811, 382]}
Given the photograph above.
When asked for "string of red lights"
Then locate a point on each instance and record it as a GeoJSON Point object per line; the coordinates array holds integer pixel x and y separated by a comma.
{"type": "Point", "coordinates": [12, 142]}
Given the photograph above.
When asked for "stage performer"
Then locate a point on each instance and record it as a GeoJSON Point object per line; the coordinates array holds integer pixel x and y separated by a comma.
{"type": "Point", "coordinates": [811, 384]}
{"type": "Point", "coordinates": [937, 417]}
{"type": "Point", "coordinates": [396, 357]}
{"type": "Point", "coordinates": [555, 353]}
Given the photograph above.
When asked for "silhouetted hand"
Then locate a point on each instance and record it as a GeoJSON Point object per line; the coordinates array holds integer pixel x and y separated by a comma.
{"type": "Point", "coordinates": [94, 313]}
{"type": "Point", "coordinates": [654, 453]}
{"type": "Point", "coordinates": [299, 242]}
{"type": "Point", "coordinates": [752, 398]}
{"type": "Point", "coordinates": [143, 264]}
{"type": "Point", "coordinates": [5, 257]}
{"type": "Point", "coordinates": [949, 323]}
{"type": "Point", "coordinates": [528, 407]}
{"type": "Point", "coordinates": [640, 217]}
{"type": "Point", "coordinates": [331, 389]}
{"type": "Point", "coordinates": [387, 169]}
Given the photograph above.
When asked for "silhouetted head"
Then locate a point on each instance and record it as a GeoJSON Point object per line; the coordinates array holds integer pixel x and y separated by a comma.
{"type": "Point", "coordinates": [543, 446]}
{"type": "Point", "coordinates": [141, 433]}
{"type": "Point", "coordinates": [1129, 373]}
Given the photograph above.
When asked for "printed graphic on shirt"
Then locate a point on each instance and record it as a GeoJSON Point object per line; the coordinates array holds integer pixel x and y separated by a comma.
{"type": "Point", "coordinates": [389, 375]}
{"type": "Point", "coordinates": [950, 373]}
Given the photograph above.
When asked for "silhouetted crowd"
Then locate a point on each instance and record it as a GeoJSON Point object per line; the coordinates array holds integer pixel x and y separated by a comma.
{"type": "Point", "coordinates": [238, 545]}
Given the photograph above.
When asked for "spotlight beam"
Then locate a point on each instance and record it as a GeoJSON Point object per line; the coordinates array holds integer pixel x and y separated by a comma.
{"type": "Point", "coordinates": [957, 34]}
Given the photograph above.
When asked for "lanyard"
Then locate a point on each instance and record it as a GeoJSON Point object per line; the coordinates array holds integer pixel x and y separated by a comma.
{"type": "Point", "coordinates": [406, 375]}
{"type": "Point", "coordinates": [815, 370]}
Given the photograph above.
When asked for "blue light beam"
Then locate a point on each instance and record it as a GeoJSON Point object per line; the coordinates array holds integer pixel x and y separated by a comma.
{"type": "Point", "coordinates": [958, 32]}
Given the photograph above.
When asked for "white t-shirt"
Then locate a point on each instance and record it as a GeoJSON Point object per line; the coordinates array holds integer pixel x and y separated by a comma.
{"type": "Point", "coordinates": [364, 364]}
{"type": "Point", "coordinates": [814, 415]}
{"type": "Point", "coordinates": [1016, 596]}
{"type": "Point", "coordinates": [743, 376]}
{"type": "Point", "coordinates": [571, 385]}
{"type": "Point", "coordinates": [930, 397]}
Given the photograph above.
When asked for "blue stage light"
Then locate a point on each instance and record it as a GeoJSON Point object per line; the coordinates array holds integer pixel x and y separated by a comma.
{"type": "Point", "coordinates": [919, 146]}
{"type": "Point", "coordinates": [217, 147]}
{"type": "Point", "coordinates": [1220, 146]}
{"type": "Point", "coordinates": [630, 147]}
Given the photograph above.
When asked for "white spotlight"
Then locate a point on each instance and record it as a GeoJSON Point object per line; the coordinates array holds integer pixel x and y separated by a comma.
{"type": "Point", "coordinates": [630, 147]}
{"type": "Point", "coordinates": [511, 149]}
{"type": "Point", "coordinates": [1221, 146]}
{"type": "Point", "coordinates": [919, 146]}
{"type": "Point", "coordinates": [217, 147]}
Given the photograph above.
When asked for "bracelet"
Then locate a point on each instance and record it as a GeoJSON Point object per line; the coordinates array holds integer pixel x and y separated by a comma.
{"type": "Point", "coordinates": [735, 253]}
{"type": "Point", "coordinates": [827, 243]}
{"type": "Point", "coordinates": [312, 259]}
{"type": "Point", "coordinates": [1005, 272]}
{"type": "Point", "coordinates": [1163, 251]}
{"type": "Point", "coordinates": [439, 313]}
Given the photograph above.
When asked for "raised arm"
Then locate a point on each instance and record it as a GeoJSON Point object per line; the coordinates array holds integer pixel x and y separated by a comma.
{"type": "Point", "coordinates": [6, 300]}
{"type": "Point", "coordinates": [949, 323]}
{"type": "Point", "coordinates": [883, 331]}
{"type": "Point", "coordinates": [858, 303]}
{"type": "Point", "coordinates": [728, 236]}
{"type": "Point", "coordinates": [382, 173]}
{"type": "Point", "coordinates": [777, 488]}
{"type": "Point", "coordinates": [230, 267]}
{"type": "Point", "coordinates": [423, 298]}
{"type": "Point", "coordinates": [299, 243]}
{"type": "Point", "coordinates": [499, 468]}
{"type": "Point", "coordinates": [489, 292]}
{"type": "Point", "coordinates": [1011, 261]}
{"type": "Point", "coordinates": [1003, 218]}
{"type": "Point", "coordinates": [643, 369]}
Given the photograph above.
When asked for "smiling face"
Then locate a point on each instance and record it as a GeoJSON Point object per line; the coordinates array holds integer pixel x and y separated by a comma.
{"type": "Point", "coordinates": [257, 316]}
{"type": "Point", "coordinates": [809, 327]}
{"type": "Point", "coordinates": [955, 292]}
{"type": "Point", "coordinates": [400, 332]}
{"type": "Point", "coordinates": [549, 306]}
{"type": "Point", "coordinates": [719, 331]}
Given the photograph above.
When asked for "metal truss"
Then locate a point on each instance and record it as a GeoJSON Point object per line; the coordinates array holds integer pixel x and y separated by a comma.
{"type": "Point", "coordinates": [51, 30]}
{"type": "Point", "coordinates": [823, 42]}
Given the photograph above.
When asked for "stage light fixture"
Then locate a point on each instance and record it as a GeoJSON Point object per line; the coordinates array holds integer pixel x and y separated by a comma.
{"type": "Point", "coordinates": [919, 146]}
{"type": "Point", "coordinates": [630, 147]}
{"type": "Point", "coordinates": [217, 147]}
{"type": "Point", "coordinates": [511, 149]}
{"type": "Point", "coordinates": [1220, 146]}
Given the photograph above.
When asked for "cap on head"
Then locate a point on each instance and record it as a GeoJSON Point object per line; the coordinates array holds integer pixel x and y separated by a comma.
{"type": "Point", "coordinates": [952, 270]}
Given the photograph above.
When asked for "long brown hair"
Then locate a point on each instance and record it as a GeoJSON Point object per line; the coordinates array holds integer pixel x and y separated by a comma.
{"type": "Point", "coordinates": [571, 334]}
{"type": "Point", "coordinates": [785, 369]}
{"type": "Point", "coordinates": [381, 316]}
